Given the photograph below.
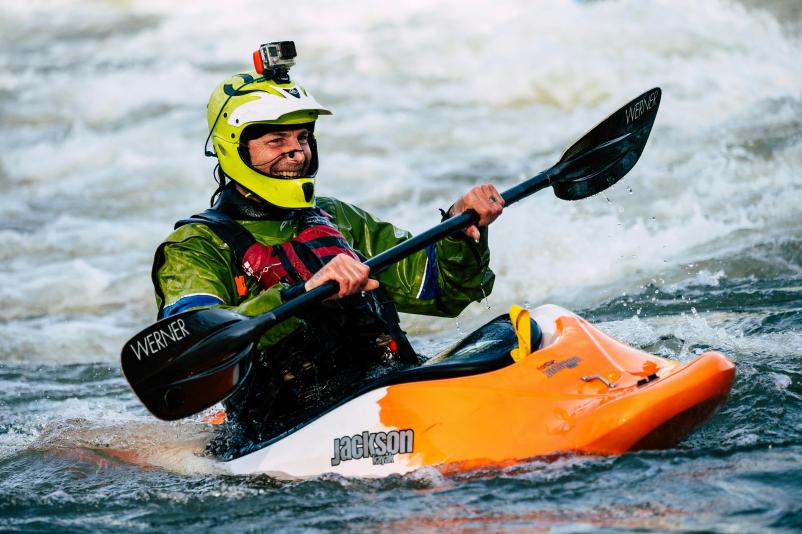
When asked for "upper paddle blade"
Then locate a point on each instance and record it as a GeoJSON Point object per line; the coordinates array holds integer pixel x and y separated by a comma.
{"type": "Point", "coordinates": [174, 379]}
{"type": "Point", "coordinates": [609, 151]}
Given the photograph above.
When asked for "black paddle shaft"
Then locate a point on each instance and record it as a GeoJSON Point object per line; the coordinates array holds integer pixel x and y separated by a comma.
{"type": "Point", "coordinates": [389, 257]}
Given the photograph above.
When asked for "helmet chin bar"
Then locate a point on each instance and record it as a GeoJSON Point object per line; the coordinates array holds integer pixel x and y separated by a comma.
{"type": "Point", "coordinates": [309, 191]}
{"type": "Point", "coordinates": [307, 188]}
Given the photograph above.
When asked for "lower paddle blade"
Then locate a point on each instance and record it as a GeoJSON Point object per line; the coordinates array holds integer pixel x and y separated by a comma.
{"type": "Point", "coordinates": [609, 151]}
{"type": "Point", "coordinates": [170, 378]}
{"type": "Point", "coordinates": [182, 396]}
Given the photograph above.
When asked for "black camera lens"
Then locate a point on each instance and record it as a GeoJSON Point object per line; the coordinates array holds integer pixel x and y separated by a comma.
{"type": "Point", "coordinates": [287, 49]}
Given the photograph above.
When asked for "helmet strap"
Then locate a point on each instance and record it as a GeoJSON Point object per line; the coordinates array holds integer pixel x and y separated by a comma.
{"type": "Point", "coordinates": [220, 178]}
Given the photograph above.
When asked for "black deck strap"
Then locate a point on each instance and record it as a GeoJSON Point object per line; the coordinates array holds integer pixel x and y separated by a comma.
{"type": "Point", "coordinates": [230, 231]}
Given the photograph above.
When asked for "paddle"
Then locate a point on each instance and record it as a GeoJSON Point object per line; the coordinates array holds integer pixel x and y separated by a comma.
{"type": "Point", "coordinates": [185, 363]}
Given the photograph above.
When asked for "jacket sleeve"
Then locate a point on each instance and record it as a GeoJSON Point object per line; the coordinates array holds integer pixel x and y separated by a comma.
{"type": "Point", "coordinates": [192, 269]}
{"type": "Point", "coordinates": [440, 280]}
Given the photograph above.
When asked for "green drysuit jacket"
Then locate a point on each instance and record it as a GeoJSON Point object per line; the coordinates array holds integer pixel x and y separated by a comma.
{"type": "Point", "coordinates": [194, 268]}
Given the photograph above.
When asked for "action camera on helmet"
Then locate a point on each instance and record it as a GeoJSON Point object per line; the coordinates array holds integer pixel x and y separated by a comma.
{"type": "Point", "coordinates": [274, 60]}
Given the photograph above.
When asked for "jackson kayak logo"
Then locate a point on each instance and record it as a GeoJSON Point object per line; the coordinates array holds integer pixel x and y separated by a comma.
{"type": "Point", "coordinates": [157, 340]}
{"type": "Point", "coordinates": [555, 368]}
{"type": "Point", "coordinates": [640, 107]}
{"type": "Point", "coordinates": [381, 447]}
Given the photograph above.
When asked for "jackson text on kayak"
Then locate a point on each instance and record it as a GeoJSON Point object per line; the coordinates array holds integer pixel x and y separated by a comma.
{"type": "Point", "coordinates": [380, 446]}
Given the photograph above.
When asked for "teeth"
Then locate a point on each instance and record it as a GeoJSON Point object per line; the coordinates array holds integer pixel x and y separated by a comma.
{"type": "Point", "coordinates": [288, 174]}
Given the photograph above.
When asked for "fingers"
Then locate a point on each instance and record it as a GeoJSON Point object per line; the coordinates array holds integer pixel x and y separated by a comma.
{"type": "Point", "coordinates": [486, 201]}
{"type": "Point", "coordinates": [346, 274]}
{"type": "Point", "coordinates": [350, 274]}
{"type": "Point", "coordinates": [370, 285]}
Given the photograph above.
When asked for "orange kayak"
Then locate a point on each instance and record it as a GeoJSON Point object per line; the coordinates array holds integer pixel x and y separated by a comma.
{"type": "Point", "coordinates": [515, 389]}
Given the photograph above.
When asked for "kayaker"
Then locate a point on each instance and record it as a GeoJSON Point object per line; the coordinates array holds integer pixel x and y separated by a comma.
{"type": "Point", "coordinates": [268, 238]}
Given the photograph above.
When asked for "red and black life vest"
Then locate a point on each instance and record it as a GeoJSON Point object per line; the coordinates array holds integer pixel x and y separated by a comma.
{"type": "Point", "coordinates": [296, 260]}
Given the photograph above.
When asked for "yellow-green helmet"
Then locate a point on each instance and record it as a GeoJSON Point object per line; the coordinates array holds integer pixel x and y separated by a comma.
{"type": "Point", "coordinates": [247, 99]}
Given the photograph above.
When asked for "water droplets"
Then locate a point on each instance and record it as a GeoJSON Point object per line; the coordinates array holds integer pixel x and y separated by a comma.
{"type": "Point", "coordinates": [485, 300]}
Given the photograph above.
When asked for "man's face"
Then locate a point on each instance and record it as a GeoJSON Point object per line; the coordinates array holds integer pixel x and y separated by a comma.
{"type": "Point", "coordinates": [283, 153]}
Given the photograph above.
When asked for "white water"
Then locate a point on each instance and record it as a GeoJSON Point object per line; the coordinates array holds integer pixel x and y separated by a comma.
{"type": "Point", "coordinates": [102, 120]}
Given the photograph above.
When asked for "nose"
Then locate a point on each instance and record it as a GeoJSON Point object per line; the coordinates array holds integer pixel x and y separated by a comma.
{"type": "Point", "coordinates": [295, 150]}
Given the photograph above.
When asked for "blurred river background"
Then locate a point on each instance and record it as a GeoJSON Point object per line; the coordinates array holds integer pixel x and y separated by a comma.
{"type": "Point", "coordinates": [102, 122]}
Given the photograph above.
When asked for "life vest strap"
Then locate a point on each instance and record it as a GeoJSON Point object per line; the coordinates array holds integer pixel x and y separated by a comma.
{"type": "Point", "coordinates": [230, 231]}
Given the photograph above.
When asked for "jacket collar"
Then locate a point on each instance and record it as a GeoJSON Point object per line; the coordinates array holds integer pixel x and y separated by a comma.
{"type": "Point", "coordinates": [240, 208]}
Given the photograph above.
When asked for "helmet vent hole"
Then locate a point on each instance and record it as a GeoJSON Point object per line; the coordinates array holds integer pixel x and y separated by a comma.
{"type": "Point", "coordinates": [232, 136]}
{"type": "Point", "coordinates": [225, 114]}
{"type": "Point", "coordinates": [236, 120]}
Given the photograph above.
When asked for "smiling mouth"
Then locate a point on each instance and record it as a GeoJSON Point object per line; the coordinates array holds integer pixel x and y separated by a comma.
{"type": "Point", "coordinates": [288, 174]}
{"type": "Point", "coordinates": [284, 167]}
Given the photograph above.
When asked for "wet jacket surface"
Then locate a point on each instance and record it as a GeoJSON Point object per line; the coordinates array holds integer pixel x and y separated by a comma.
{"type": "Point", "coordinates": [195, 268]}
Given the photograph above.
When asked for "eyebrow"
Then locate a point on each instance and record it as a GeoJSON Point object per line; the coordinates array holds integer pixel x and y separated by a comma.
{"type": "Point", "coordinates": [287, 134]}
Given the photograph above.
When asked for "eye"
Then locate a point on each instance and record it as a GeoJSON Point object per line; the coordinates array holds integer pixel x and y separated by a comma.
{"type": "Point", "coordinates": [275, 141]}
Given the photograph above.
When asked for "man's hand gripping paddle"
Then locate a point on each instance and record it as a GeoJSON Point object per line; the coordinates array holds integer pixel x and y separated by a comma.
{"type": "Point", "coordinates": [183, 364]}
